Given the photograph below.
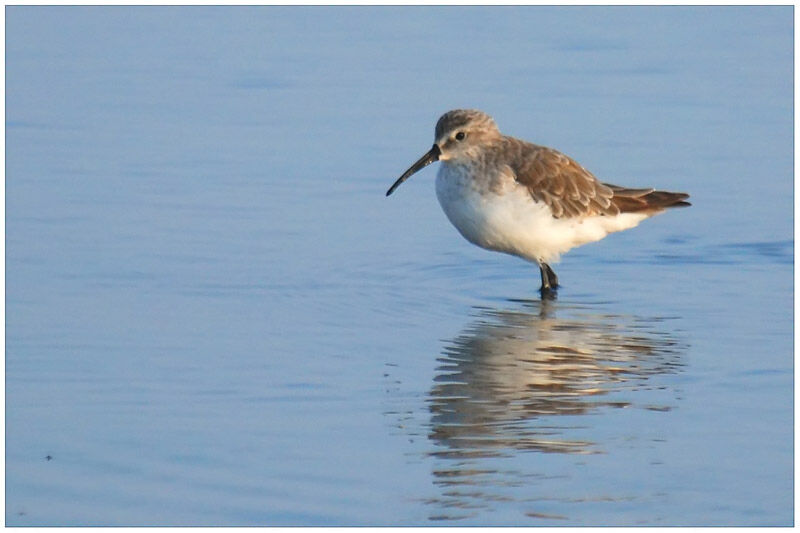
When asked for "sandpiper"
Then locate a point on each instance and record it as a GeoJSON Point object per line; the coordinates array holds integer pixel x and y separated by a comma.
{"type": "Point", "coordinates": [508, 195]}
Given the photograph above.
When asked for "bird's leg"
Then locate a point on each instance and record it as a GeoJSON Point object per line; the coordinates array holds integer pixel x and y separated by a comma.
{"type": "Point", "coordinates": [552, 276]}
{"type": "Point", "coordinates": [549, 278]}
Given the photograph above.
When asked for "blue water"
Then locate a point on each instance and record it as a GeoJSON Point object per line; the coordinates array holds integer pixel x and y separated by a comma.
{"type": "Point", "coordinates": [215, 317]}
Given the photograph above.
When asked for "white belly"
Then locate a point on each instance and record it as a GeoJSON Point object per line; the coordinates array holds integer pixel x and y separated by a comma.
{"type": "Point", "coordinates": [507, 219]}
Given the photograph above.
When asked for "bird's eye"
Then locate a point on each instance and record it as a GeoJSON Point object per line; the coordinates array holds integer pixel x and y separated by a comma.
{"type": "Point", "coordinates": [460, 136]}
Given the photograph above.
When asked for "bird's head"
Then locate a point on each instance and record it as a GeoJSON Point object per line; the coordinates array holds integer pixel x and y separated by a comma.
{"type": "Point", "coordinates": [460, 134]}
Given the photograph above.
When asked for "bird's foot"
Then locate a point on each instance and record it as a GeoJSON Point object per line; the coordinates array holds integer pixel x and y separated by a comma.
{"type": "Point", "coordinates": [548, 293]}
{"type": "Point", "coordinates": [549, 282]}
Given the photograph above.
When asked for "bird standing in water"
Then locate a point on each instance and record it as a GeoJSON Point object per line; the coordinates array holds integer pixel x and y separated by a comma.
{"type": "Point", "coordinates": [508, 195]}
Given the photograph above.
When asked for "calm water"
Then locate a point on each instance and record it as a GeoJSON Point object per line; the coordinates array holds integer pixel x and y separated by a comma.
{"type": "Point", "coordinates": [214, 316]}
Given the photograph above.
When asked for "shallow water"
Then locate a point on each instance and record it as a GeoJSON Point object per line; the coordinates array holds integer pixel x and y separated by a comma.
{"type": "Point", "coordinates": [214, 316]}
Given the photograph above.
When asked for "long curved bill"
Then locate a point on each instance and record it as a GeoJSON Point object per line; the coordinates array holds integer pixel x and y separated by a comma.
{"type": "Point", "coordinates": [430, 157]}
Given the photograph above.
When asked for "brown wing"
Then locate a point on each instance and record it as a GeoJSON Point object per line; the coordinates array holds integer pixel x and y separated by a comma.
{"type": "Point", "coordinates": [565, 186]}
{"type": "Point", "coordinates": [648, 201]}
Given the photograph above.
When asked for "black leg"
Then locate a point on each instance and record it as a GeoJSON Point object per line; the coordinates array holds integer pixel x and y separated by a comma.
{"type": "Point", "coordinates": [545, 278]}
{"type": "Point", "coordinates": [552, 276]}
{"type": "Point", "coordinates": [549, 280]}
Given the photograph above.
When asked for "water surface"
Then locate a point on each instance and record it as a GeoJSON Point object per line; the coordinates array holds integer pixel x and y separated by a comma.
{"type": "Point", "coordinates": [215, 317]}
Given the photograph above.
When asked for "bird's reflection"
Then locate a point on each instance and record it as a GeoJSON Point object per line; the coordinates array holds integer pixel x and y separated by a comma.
{"type": "Point", "coordinates": [505, 384]}
{"type": "Point", "coordinates": [509, 367]}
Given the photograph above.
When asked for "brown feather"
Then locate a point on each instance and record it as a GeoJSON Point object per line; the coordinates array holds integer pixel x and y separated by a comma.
{"type": "Point", "coordinates": [631, 201]}
{"type": "Point", "coordinates": [572, 191]}
{"type": "Point", "coordinates": [560, 182]}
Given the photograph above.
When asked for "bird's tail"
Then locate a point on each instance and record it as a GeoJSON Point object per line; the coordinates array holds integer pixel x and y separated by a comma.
{"type": "Point", "coordinates": [648, 201]}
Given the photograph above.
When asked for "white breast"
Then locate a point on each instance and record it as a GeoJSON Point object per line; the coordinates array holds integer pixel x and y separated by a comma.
{"type": "Point", "coordinates": [504, 217]}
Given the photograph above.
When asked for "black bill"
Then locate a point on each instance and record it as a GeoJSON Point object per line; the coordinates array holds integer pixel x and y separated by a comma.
{"type": "Point", "coordinates": [424, 161]}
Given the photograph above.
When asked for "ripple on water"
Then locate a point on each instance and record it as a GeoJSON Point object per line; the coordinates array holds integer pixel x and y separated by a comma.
{"type": "Point", "coordinates": [536, 379]}
{"type": "Point", "coordinates": [773, 252]}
